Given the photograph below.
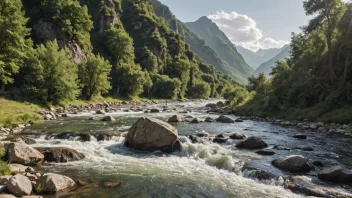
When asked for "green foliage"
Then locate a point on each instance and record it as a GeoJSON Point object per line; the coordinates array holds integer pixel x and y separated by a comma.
{"type": "Point", "coordinates": [236, 95]}
{"type": "Point", "coordinates": [14, 40]}
{"type": "Point", "coordinates": [4, 168]}
{"type": "Point", "coordinates": [54, 74]}
{"type": "Point", "coordinates": [200, 89]}
{"type": "Point", "coordinates": [165, 87]}
{"type": "Point", "coordinates": [94, 76]}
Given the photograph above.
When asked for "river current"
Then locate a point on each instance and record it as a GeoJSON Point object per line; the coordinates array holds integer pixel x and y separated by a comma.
{"type": "Point", "coordinates": [198, 170]}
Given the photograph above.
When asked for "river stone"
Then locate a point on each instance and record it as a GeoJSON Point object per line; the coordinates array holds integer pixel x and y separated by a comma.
{"type": "Point", "coordinates": [257, 173]}
{"type": "Point", "coordinates": [176, 118]}
{"type": "Point", "coordinates": [155, 111]}
{"type": "Point", "coordinates": [149, 134]}
{"type": "Point", "coordinates": [337, 174]}
{"type": "Point", "coordinates": [19, 185]}
{"type": "Point", "coordinates": [60, 154]}
{"type": "Point", "coordinates": [265, 152]}
{"type": "Point", "coordinates": [220, 139]}
{"type": "Point", "coordinates": [196, 120]}
{"type": "Point", "coordinates": [23, 154]}
{"type": "Point", "coordinates": [318, 163]}
{"type": "Point", "coordinates": [101, 112]}
{"type": "Point", "coordinates": [293, 163]}
{"type": "Point", "coordinates": [225, 119]}
{"type": "Point", "coordinates": [238, 136]}
{"type": "Point", "coordinates": [300, 136]}
{"type": "Point", "coordinates": [209, 119]}
{"type": "Point", "coordinates": [4, 180]}
{"type": "Point", "coordinates": [17, 168]}
{"type": "Point", "coordinates": [6, 196]}
{"type": "Point", "coordinates": [108, 119]}
{"type": "Point", "coordinates": [55, 183]}
{"type": "Point", "coordinates": [238, 120]}
{"type": "Point", "coordinates": [252, 143]}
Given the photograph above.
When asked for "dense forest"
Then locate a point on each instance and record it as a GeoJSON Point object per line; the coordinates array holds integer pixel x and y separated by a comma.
{"type": "Point", "coordinates": [315, 82]}
{"type": "Point", "coordinates": [57, 50]}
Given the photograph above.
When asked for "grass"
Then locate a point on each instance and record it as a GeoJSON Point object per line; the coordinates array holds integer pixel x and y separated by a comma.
{"type": "Point", "coordinates": [4, 168]}
{"type": "Point", "coordinates": [13, 113]}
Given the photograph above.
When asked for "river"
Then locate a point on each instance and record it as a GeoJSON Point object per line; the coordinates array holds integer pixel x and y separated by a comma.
{"type": "Point", "coordinates": [198, 170]}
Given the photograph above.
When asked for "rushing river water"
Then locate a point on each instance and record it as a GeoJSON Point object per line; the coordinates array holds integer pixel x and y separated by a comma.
{"type": "Point", "coordinates": [198, 170]}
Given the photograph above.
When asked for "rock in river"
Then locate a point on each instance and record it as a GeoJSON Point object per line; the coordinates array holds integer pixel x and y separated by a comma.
{"type": "Point", "coordinates": [337, 174]}
{"type": "Point", "coordinates": [265, 152]}
{"type": "Point", "coordinates": [55, 183]}
{"type": "Point", "coordinates": [60, 155]}
{"type": "Point", "coordinates": [252, 143]}
{"type": "Point", "coordinates": [19, 185]}
{"type": "Point", "coordinates": [176, 118]}
{"type": "Point", "coordinates": [238, 136]}
{"type": "Point", "coordinates": [225, 119]}
{"type": "Point", "coordinates": [300, 136]}
{"type": "Point", "coordinates": [209, 119]}
{"type": "Point", "coordinates": [293, 163]}
{"type": "Point", "coordinates": [149, 134]}
{"type": "Point", "coordinates": [23, 154]}
{"type": "Point", "coordinates": [196, 120]}
{"type": "Point", "coordinates": [108, 119]}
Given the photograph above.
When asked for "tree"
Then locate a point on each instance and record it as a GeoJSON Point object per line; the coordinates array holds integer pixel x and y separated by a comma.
{"type": "Point", "coordinates": [55, 74]}
{"type": "Point", "coordinates": [94, 76]}
{"type": "Point", "coordinates": [200, 89]}
{"type": "Point", "coordinates": [327, 15]}
{"type": "Point", "coordinates": [165, 87]}
{"type": "Point", "coordinates": [13, 40]}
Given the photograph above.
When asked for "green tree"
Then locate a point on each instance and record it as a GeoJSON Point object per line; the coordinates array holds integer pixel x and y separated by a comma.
{"type": "Point", "coordinates": [55, 74]}
{"type": "Point", "coordinates": [13, 40]}
{"type": "Point", "coordinates": [165, 87]}
{"type": "Point", "coordinates": [94, 76]}
{"type": "Point", "coordinates": [200, 89]}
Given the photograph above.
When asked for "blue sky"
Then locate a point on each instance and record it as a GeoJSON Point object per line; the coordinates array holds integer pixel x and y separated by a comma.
{"type": "Point", "coordinates": [265, 23]}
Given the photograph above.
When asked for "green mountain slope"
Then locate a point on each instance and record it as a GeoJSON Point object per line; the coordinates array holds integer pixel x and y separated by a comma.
{"type": "Point", "coordinates": [197, 44]}
{"type": "Point", "coordinates": [266, 66]}
{"type": "Point", "coordinates": [219, 42]}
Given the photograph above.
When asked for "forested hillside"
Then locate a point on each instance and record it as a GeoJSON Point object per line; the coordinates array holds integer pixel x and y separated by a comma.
{"type": "Point", "coordinates": [58, 50]}
{"type": "Point", "coordinates": [218, 41]}
{"type": "Point", "coordinates": [316, 81]}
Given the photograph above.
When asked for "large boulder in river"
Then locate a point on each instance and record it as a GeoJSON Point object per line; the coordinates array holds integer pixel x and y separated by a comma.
{"type": "Point", "coordinates": [19, 185]}
{"type": "Point", "coordinates": [60, 154]}
{"type": "Point", "coordinates": [23, 154]}
{"type": "Point", "coordinates": [108, 119]}
{"type": "Point", "coordinates": [176, 118]}
{"type": "Point", "coordinates": [252, 143]}
{"type": "Point", "coordinates": [149, 134]}
{"type": "Point", "coordinates": [55, 183]}
{"type": "Point", "coordinates": [337, 174]}
{"type": "Point", "coordinates": [225, 119]}
{"type": "Point", "coordinates": [293, 163]}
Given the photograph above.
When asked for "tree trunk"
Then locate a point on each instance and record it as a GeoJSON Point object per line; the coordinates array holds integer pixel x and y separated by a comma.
{"type": "Point", "coordinates": [2, 88]}
{"type": "Point", "coordinates": [117, 92]}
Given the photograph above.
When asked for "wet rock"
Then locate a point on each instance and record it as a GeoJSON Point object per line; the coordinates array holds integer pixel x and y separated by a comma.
{"type": "Point", "coordinates": [293, 163]}
{"type": "Point", "coordinates": [100, 112]}
{"type": "Point", "coordinates": [19, 185]}
{"type": "Point", "coordinates": [85, 137]}
{"type": "Point", "coordinates": [196, 120]}
{"type": "Point", "coordinates": [106, 136]}
{"type": "Point", "coordinates": [318, 163]}
{"type": "Point", "coordinates": [238, 120]}
{"type": "Point", "coordinates": [176, 118]}
{"type": "Point", "coordinates": [257, 173]}
{"type": "Point", "coordinates": [108, 119]}
{"type": "Point", "coordinates": [55, 183]}
{"type": "Point", "coordinates": [60, 154]}
{"type": "Point", "coordinates": [220, 139]}
{"type": "Point", "coordinates": [155, 111]}
{"type": "Point", "coordinates": [252, 143]}
{"type": "Point", "coordinates": [92, 118]}
{"type": "Point", "coordinates": [202, 134]}
{"type": "Point", "coordinates": [281, 148]}
{"type": "Point", "coordinates": [149, 134]}
{"type": "Point", "coordinates": [189, 117]}
{"type": "Point", "coordinates": [305, 148]}
{"type": "Point", "coordinates": [265, 152]}
{"type": "Point", "coordinates": [209, 119]}
{"type": "Point", "coordinates": [200, 140]}
{"type": "Point", "coordinates": [225, 119]}
{"type": "Point", "coordinates": [238, 136]}
{"type": "Point", "coordinates": [23, 154]}
{"type": "Point", "coordinates": [220, 104]}
{"type": "Point", "coordinates": [212, 105]}
{"type": "Point", "coordinates": [336, 174]}
{"type": "Point", "coordinates": [300, 136]}
{"type": "Point", "coordinates": [110, 184]}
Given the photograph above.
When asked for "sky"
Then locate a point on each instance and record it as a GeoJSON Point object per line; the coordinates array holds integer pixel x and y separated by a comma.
{"type": "Point", "coordinates": [253, 24]}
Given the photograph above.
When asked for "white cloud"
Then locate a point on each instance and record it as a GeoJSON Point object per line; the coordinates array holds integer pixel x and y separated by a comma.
{"type": "Point", "coordinates": [242, 30]}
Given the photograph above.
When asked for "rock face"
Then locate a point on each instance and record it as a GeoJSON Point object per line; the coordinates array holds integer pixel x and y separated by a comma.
{"type": "Point", "coordinates": [293, 163]}
{"type": "Point", "coordinates": [23, 154]}
{"type": "Point", "coordinates": [225, 119]}
{"type": "Point", "coordinates": [149, 134]}
{"type": "Point", "coordinates": [252, 143]}
{"type": "Point", "coordinates": [60, 155]}
{"type": "Point", "coordinates": [55, 183]}
{"type": "Point", "coordinates": [337, 174]}
{"type": "Point", "coordinates": [19, 185]}
{"type": "Point", "coordinates": [176, 118]}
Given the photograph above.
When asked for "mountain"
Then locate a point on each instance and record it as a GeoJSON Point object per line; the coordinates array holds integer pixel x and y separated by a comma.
{"type": "Point", "coordinates": [255, 59]}
{"type": "Point", "coordinates": [266, 66]}
{"type": "Point", "coordinates": [219, 42]}
{"type": "Point", "coordinates": [197, 44]}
